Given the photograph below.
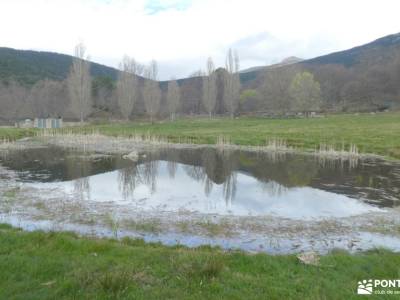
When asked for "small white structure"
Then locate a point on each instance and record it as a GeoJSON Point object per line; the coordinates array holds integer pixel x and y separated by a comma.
{"type": "Point", "coordinates": [27, 123]}
{"type": "Point", "coordinates": [40, 123]}
{"type": "Point", "coordinates": [48, 122]}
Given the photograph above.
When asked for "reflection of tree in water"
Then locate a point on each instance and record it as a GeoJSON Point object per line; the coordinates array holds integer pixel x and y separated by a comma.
{"type": "Point", "coordinates": [172, 165]}
{"type": "Point", "coordinates": [195, 172]}
{"type": "Point", "coordinates": [273, 188]}
{"type": "Point", "coordinates": [128, 179]}
{"type": "Point", "coordinates": [227, 163]}
{"type": "Point", "coordinates": [208, 158]}
{"type": "Point", "coordinates": [81, 172]}
{"type": "Point", "coordinates": [82, 188]}
{"type": "Point", "coordinates": [300, 172]}
{"type": "Point", "coordinates": [230, 187]}
{"type": "Point", "coordinates": [293, 171]}
{"type": "Point", "coordinates": [219, 167]}
{"type": "Point", "coordinates": [149, 171]}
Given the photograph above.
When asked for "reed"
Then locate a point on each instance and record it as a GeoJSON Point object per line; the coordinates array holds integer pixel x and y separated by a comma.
{"type": "Point", "coordinates": [223, 142]}
{"type": "Point", "coordinates": [277, 144]}
{"type": "Point", "coordinates": [331, 151]}
{"type": "Point", "coordinates": [329, 156]}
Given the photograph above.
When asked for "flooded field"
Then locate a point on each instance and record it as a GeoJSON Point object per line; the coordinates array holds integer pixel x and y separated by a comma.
{"type": "Point", "coordinates": [273, 202]}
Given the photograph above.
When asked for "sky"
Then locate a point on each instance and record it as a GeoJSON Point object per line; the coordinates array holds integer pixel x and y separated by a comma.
{"type": "Point", "coordinates": [182, 34]}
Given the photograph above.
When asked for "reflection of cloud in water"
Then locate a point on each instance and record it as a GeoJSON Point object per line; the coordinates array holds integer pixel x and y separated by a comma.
{"type": "Point", "coordinates": [154, 189]}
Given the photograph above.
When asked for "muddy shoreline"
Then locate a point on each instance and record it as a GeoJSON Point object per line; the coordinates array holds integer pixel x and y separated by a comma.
{"type": "Point", "coordinates": [119, 145]}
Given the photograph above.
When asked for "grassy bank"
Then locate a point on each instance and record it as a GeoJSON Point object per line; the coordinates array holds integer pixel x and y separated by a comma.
{"type": "Point", "coordinates": [378, 133]}
{"type": "Point", "coordinates": [12, 134]}
{"type": "Point", "coordinates": [371, 133]}
{"type": "Point", "coordinates": [38, 265]}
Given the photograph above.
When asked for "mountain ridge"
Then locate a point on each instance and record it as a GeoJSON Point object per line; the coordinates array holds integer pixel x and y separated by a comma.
{"type": "Point", "coordinates": [30, 66]}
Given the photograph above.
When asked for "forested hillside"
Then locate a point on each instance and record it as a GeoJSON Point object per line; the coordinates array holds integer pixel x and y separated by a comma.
{"type": "Point", "coordinates": [364, 78]}
{"type": "Point", "coordinates": [28, 67]}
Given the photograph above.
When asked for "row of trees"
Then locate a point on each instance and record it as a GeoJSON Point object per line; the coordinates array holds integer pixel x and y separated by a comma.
{"type": "Point", "coordinates": [231, 85]}
{"type": "Point", "coordinates": [372, 83]}
{"type": "Point", "coordinates": [43, 98]}
{"type": "Point", "coordinates": [369, 84]}
{"type": "Point", "coordinates": [129, 86]}
{"type": "Point", "coordinates": [284, 90]}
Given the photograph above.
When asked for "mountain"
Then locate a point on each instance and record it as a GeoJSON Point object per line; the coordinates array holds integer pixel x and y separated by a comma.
{"type": "Point", "coordinates": [286, 61]}
{"type": "Point", "coordinates": [28, 67]}
{"type": "Point", "coordinates": [355, 55]}
{"type": "Point", "coordinates": [376, 49]}
{"type": "Point", "coordinates": [364, 78]}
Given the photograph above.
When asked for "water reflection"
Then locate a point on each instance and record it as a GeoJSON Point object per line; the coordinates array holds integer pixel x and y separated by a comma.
{"type": "Point", "coordinates": [214, 175]}
{"type": "Point", "coordinates": [153, 191]}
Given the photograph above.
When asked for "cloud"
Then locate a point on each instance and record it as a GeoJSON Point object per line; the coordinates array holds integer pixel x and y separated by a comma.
{"type": "Point", "coordinates": [155, 6]}
{"type": "Point", "coordinates": [263, 48]}
{"type": "Point", "coordinates": [181, 34]}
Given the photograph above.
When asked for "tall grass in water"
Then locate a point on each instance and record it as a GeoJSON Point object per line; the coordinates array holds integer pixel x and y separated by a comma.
{"type": "Point", "coordinates": [329, 155]}
{"type": "Point", "coordinates": [223, 142]}
{"type": "Point", "coordinates": [329, 150]}
{"type": "Point", "coordinates": [5, 143]}
{"type": "Point", "coordinates": [276, 144]}
{"type": "Point", "coordinates": [93, 139]}
{"type": "Point", "coordinates": [8, 143]}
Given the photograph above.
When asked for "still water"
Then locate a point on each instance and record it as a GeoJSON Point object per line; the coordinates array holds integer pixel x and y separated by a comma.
{"type": "Point", "coordinates": [211, 182]}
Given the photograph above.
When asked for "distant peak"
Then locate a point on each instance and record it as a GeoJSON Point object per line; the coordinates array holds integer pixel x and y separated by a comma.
{"type": "Point", "coordinates": [291, 60]}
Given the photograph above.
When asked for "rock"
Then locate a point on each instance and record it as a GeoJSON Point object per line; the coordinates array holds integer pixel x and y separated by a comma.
{"type": "Point", "coordinates": [309, 258]}
{"type": "Point", "coordinates": [134, 156]}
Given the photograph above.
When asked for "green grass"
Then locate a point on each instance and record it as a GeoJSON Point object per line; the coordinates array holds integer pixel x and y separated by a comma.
{"type": "Point", "coordinates": [378, 134]}
{"type": "Point", "coordinates": [38, 265]}
{"type": "Point", "coordinates": [371, 133]}
{"type": "Point", "coordinates": [12, 134]}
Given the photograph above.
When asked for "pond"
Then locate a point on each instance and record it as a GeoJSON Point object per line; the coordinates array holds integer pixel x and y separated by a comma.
{"type": "Point", "coordinates": [183, 195]}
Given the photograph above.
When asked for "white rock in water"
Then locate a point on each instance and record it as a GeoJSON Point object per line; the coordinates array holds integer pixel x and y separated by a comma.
{"type": "Point", "coordinates": [134, 156]}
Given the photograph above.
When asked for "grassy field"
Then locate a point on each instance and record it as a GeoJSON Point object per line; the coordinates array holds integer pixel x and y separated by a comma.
{"type": "Point", "coordinates": [11, 134]}
{"type": "Point", "coordinates": [38, 265]}
{"type": "Point", "coordinates": [371, 133]}
{"type": "Point", "coordinates": [378, 133]}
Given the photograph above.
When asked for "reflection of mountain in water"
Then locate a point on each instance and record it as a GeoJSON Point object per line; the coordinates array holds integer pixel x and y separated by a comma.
{"type": "Point", "coordinates": [276, 172]}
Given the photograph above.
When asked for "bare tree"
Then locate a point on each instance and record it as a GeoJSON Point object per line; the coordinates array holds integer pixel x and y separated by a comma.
{"type": "Point", "coordinates": [173, 98]}
{"type": "Point", "coordinates": [127, 85]}
{"type": "Point", "coordinates": [210, 88]}
{"type": "Point", "coordinates": [306, 92]}
{"type": "Point", "coordinates": [43, 98]}
{"type": "Point", "coordinates": [104, 94]}
{"type": "Point", "coordinates": [13, 98]}
{"type": "Point", "coordinates": [232, 82]}
{"type": "Point", "coordinates": [151, 91]}
{"type": "Point", "coordinates": [79, 83]}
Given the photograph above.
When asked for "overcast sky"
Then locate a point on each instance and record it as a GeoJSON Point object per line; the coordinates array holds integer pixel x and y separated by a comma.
{"type": "Point", "coordinates": [181, 34]}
